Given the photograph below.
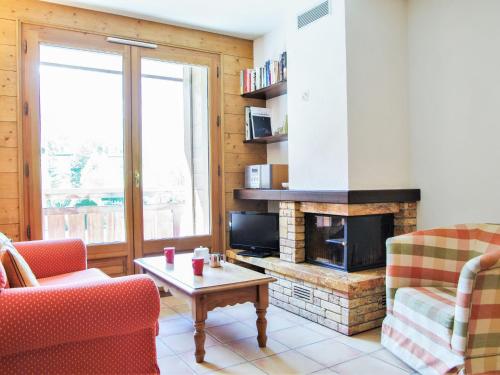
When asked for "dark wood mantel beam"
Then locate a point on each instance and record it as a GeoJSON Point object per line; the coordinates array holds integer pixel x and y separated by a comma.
{"type": "Point", "coordinates": [331, 196]}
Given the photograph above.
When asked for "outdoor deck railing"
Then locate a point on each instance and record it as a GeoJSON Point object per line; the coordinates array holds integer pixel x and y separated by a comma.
{"type": "Point", "coordinates": [106, 223]}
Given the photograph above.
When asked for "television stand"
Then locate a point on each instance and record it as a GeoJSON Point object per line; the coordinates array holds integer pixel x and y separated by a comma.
{"type": "Point", "coordinates": [255, 254]}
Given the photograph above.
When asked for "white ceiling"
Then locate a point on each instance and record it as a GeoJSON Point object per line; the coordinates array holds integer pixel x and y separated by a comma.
{"type": "Point", "coordinates": [242, 18]}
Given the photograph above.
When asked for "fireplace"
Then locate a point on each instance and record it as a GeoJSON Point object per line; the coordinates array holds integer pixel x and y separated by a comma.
{"type": "Point", "coordinates": [348, 243]}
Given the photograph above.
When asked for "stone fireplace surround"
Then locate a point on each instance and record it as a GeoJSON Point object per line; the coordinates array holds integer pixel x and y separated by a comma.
{"type": "Point", "coordinates": [346, 302]}
{"type": "Point", "coordinates": [292, 225]}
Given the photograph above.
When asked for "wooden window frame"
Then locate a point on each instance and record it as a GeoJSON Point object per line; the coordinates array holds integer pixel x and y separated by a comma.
{"type": "Point", "coordinates": [28, 98]}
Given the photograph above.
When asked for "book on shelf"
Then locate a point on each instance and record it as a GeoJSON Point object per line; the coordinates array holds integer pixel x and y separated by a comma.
{"type": "Point", "coordinates": [248, 127]}
{"type": "Point", "coordinates": [257, 123]}
{"type": "Point", "coordinates": [273, 71]}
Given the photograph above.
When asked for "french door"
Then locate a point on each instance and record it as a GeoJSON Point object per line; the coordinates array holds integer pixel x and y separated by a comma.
{"type": "Point", "coordinates": [121, 144]}
{"type": "Point", "coordinates": [175, 151]}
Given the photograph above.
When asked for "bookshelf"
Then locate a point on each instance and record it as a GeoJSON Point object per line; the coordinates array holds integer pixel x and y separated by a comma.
{"type": "Point", "coordinates": [269, 92]}
{"type": "Point", "coordinates": [266, 140]}
{"type": "Point", "coordinates": [264, 83]}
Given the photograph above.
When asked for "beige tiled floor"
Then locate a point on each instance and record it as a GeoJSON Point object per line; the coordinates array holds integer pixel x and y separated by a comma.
{"type": "Point", "coordinates": [295, 345]}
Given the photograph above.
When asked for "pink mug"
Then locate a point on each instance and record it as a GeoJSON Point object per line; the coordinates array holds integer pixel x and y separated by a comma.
{"type": "Point", "coordinates": [198, 266]}
{"type": "Point", "coordinates": [169, 254]}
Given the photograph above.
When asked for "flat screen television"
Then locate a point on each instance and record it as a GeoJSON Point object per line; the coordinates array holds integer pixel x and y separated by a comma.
{"type": "Point", "coordinates": [255, 232]}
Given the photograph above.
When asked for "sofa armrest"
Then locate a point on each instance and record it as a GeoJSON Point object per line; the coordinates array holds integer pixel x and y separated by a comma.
{"type": "Point", "coordinates": [50, 258]}
{"type": "Point", "coordinates": [478, 307]}
{"type": "Point", "coordinates": [42, 317]}
{"type": "Point", "coordinates": [424, 258]}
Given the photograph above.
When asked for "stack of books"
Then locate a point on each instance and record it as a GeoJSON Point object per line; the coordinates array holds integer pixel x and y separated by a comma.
{"type": "Point", "coordinates": [272, 72]}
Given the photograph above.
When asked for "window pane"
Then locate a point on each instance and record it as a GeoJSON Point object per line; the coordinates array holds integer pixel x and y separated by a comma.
{"type": "Point", "coordinates": [175, 150]}
{"type": "Point", "coordinates": [161, 69]}
{"type": "Point", "coordinates": [81, 102]}
{"type": "Point", "coordinates": [81, 58]}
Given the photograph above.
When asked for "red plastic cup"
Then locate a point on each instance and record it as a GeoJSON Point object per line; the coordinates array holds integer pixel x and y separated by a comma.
{"type": "Point", "coordinates": [169, 254]}
{"type": "Point", "coordinates": [198, 266]}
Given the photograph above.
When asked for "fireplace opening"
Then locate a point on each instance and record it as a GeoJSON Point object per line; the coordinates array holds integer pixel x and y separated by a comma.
{"type": "Point", "coordinates": [348, 243]}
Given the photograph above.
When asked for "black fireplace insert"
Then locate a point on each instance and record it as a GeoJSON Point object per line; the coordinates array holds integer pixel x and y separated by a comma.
{"type": "Point", "coordinates": [348, 243]}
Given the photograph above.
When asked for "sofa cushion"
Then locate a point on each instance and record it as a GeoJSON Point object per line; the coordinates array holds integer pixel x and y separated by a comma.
{"type": "Point", "coordinates": [88, 275]}
{"type": "Point", "coordinates": [4, 240]}
{"type": "Point", "coordinates": [431, 310]}
{"type": "Point", "coordinates": [17, 269]}
{"type": "Point", "coordinates": [4, 282]}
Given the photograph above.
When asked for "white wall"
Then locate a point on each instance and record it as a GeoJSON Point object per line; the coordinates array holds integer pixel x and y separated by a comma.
{"type": "Point", "coordinates": [269, 47]}
{"type": "Point", "coordinates": [377, 94]}
{"type": "Point", "coordinates": [454, 72]}
{"type": "Point", "coordinates": [402, 93]}
{"type": "Point", "coordinates": [348, 123]}
{"type": "Point", "coordinates": [317, 107]}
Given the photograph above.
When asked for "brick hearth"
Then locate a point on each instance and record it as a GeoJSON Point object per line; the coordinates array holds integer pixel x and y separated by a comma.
{"type": "Point", "coordinates": [346, 302]}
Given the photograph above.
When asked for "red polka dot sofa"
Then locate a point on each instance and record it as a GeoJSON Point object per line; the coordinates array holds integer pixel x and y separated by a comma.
{"type": "Point", "coordinates": [78, 320]}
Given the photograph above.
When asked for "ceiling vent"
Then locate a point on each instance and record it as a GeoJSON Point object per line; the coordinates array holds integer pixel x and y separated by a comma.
{"type": "Point", "coordinates": [314, 14]}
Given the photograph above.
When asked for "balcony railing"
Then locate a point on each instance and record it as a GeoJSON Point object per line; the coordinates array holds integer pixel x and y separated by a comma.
{"type": "Point", "coordinates": [105, 223]}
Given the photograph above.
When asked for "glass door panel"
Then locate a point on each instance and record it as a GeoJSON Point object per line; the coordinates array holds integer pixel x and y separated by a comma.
{"type": "Point", "coordinates": [121, 145]}
{"type": "Point", "coordinates": [82, 144]}
{"type": "Point", "coordinates": [175, 150]}
{"type": "Point", "coordinates": [175, 147]}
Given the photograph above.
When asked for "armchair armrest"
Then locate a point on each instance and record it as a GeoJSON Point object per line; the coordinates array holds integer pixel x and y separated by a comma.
{"type": "Point", "coordinates": [478, 306]}
{"type": "Point", "coordinates": [425, 258]}
{"type": "Point", "coordinates": [51, 258]}
{"type": "Point", "coordinates": [42, 317]}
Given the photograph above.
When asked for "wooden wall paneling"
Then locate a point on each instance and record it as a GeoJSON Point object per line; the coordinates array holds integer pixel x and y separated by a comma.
{"type": "Point", "coordinates": [110, 24]}
{"type": "Point", "coordinates": [234, 123]}
{"type": "Point", "coordinates": [106, 251]}
{"type": "Point", "coordinates": [9, 185]}
{"type": "Point", "coordinates": [233, 65]}
{"type": "Point", "coordinates": [8, 57]}
{"type": "Point", "coordinates": [231, 84]}
{"type": "Point", "coordinates": [8, 83]}
{"type": "Point", "coordinates": [237, 155]}
{"type": "Point", "coordinates": [233, 180]}
{"type": "Point", "coordinates": [8, 160]}
{"type": "Point", "coordinates": [9, 211]}
{"type": "Point", "coordinates": [235, 104]}
{"type": "Point", "coordinates": [233, 143]}
{"type": "Point", "coordinates": [8, 134]}
{"type": "Point", "coordinates": [8, 32]}
{"type": "Point", "coordinates": [112, 266]}
{"type": "Point", "coordinates": [11, 231]}
{"type": "Point", "coordinates": [8, 108]}
{"type": "Point", "coordinates": [237, 162]}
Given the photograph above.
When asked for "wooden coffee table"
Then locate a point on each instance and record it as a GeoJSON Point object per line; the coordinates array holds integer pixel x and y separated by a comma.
{"type": "Point", "coordinates": [218, 287]}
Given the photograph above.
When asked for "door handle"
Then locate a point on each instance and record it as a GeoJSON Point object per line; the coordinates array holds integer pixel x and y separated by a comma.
{"type": "Point", "coordinates": [137, 179]}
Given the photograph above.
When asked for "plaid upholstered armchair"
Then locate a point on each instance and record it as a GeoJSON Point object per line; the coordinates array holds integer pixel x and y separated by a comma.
{"type": "Point", "coordinates": [443, 299]}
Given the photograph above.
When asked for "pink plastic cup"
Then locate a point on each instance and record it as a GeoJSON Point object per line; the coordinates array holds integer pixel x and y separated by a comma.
{"type": "Point", "coordinates": [198, 266]}
{"type": "Point", "coordinates": [169, 254]}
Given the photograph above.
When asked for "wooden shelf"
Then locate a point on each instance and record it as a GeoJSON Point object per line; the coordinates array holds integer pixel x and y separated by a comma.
{"type": "Point", "coordinates": [331, 196]}
{"type": "Point", "coordinates": [272, 139]}
{"type": "Point", "coordinates": [268, 92]}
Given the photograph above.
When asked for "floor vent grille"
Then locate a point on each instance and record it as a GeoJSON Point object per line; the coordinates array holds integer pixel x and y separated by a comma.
{"type": "Point", "coordinates": [313, 14]}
